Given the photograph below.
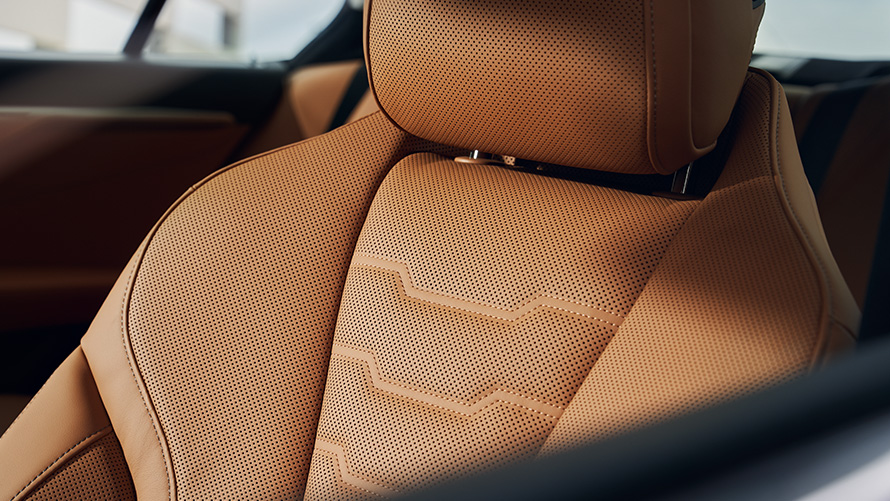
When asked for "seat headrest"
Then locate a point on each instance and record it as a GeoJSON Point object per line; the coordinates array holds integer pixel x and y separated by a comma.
{"type": "Point", "coordinates": [632, 86]}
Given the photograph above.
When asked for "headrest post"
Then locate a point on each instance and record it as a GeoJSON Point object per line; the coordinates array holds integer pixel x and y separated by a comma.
{"type": "Point", "coordinates": [681, 180]}
{"type": "Point", "coordinates": [479, 158]}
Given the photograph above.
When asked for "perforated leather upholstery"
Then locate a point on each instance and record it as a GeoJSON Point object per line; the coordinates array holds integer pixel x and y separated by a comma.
{"type": "Point", "coordinates": [608, 83]}
{"type": "Point", "coordinates": [360, 315]}
{"type": "Point", "coordinates": [99, 472]}
{"type": "Point", "coordinates": [445, 327]}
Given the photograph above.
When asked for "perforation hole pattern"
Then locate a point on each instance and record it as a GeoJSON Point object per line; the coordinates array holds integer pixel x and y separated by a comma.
{"type": "Point", "coordinates": [99, 472]}
{"type": "Point", "coordinates": [559, 82]}
{"type": "Point", "coordinates": [407, 370]}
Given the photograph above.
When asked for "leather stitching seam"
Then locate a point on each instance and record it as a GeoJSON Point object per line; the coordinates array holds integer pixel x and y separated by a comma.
{"type": "Point", "coordinates": [806, 238]}
{"type": "Point", "coordinates": [84, 439]}
{"type": "Point", "coordinates": [524, 303]}
{"type": "Point", "coordinates": [408, 285]}
{"type": "Point", "coordinates": [377, 378]}
{"type": "Point", "coordinates": [130, 363]}
{"type": "Point", "coordinates": [654, 88]}
{"type": "Point", "coordinates": [342, 466]}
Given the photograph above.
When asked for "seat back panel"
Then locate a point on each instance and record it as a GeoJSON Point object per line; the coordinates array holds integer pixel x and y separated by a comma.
{"type": "Point", "coordinates": [460, 340]}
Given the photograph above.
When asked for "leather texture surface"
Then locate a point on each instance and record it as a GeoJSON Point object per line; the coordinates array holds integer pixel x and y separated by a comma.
{"type": "Point", "coordinates": [99, 472]}
{"type": "Point", "coordinates": [358, 315]}
{"type": "Point", "coordinates": [65, 417]}
{"type": "Point", "coordinates": [228, 314]}
{"type": "Point", "coordinates": [634, 87]}
{"type": "Point", "coordinates": [747, 296]}
{"type": "Point", "coordinates": [477, 301]}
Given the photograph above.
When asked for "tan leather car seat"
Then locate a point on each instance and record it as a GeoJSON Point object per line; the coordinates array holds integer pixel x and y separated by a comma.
{"type": "Point", "coordinates": [361, 314]}
{"type": "Point", "coordinates": [317, 98]}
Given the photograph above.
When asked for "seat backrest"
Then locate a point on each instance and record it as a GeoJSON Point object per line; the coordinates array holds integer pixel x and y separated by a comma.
{"type": "Point", "coordinates": [372, 311]}
{"type": "Point", "coordinates": [317, 98]}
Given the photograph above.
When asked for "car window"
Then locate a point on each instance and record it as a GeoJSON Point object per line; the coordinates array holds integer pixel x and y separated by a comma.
{"type": "Point", "coordinates": [239, 30]}
{"type": "Point", "coordinates": [81, 26]}
{"type": "Point", "coordinates": [830, 29]}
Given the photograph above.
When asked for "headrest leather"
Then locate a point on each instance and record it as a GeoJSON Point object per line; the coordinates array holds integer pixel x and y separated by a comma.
{"type": "Point", "coordinates": [632, 86]}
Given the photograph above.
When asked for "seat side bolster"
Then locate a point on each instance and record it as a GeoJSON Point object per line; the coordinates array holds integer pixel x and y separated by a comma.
{"type": "Point", "coordinates": [747, 296]}
{"type": "Point", "coordinates": [120, 385]}
{"type": "Point", "coordinates": [840, 312]}
{"type": "Point", "coordinates": [65, 417]}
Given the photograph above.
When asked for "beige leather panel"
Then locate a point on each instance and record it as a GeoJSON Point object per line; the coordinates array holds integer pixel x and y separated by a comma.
{"type": "Point", "coordinates": [229, 316]}
{"type": "Point", "coordinates": [315, 93]}
{"type": "Point", "coordinates": [745, 297]}
{"type": "Point", "coordinates": [366, 105]}
{"type": "Point", "coordinates": [98, 472]}
{"type": "Point", "coordinates": [64, 417]}
{"type": "Point", "coordinates": [721, 52]}
{"type": "Point", "coordinates": [311, 98]}
{"type": "Point", "coordinates": [578, 86]}
{"type": "Point", "coordinates": [477, 300]}
{"type": "Point", "coordinates": [698, 54]}
{"type": "Point", "coordinates": [133, 418]}
{"type": "Point", "coordinates": [853, 192]}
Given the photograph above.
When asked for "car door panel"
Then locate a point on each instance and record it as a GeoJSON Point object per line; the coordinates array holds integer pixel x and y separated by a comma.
{"type": "Point", "coordinates": [93, 152]}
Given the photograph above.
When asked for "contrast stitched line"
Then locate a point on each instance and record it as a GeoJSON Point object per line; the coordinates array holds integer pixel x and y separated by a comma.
{"type": "Point", "coordinates": [409, 289]}
{"type": "Point", "coordinates": [446, 403]}
{"type": "Point", "coordinates": [365, 484]}
{"type": "Point", "coordinates": [84, 439]}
